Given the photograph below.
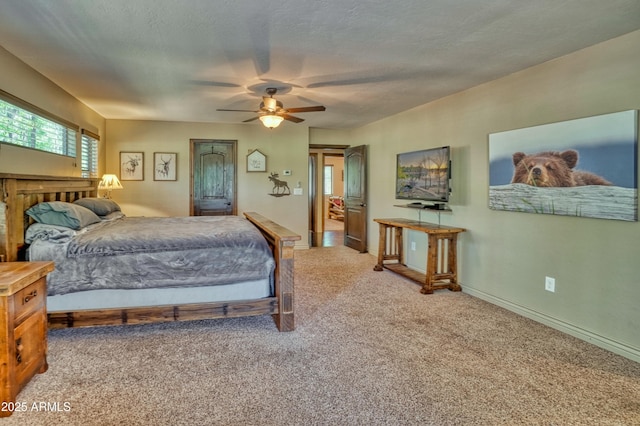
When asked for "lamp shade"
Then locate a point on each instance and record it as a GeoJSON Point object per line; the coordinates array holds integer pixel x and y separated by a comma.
{"type": "Point", "coordinates": [271, 121]}
{"type": "Point", "coordinates": [108, 183]}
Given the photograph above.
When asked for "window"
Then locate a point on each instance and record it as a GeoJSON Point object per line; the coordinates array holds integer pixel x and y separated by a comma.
{"type": "Point", "coordinates": [328, 180]}
{"type": "Point", "coordinates": [89, 154]}
{"type": "Point", "coordinates": [26, 125]}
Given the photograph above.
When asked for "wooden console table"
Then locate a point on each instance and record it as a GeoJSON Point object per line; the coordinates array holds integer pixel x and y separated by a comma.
{"type": "Point", "coordinates": [441, 254]}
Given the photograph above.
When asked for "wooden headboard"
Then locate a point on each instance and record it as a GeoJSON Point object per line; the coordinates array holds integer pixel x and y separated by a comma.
{"type": "Point", "coordinates": [19, 192]}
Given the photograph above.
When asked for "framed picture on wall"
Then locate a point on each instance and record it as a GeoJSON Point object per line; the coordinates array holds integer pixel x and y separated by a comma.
{"type": "Point", "coordinates": [256, 161]}
{"type": "Point", "coordinates": [165, 165]}
{"type": "Point", "coordinates": [585, 167]}
{"type": "Point", "coordinates": [131, 165]}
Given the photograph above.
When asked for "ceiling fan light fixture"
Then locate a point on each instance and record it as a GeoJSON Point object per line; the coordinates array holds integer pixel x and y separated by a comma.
{"type": "Point", "coordinates": [272, 111]}
{"type": "Point", "coordinates": [271, 121]}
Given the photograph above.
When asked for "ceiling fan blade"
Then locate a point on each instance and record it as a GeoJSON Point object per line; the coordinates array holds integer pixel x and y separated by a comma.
{"type": "Point", "coordinates": [291, 118]}
{"type": "Point", "coordinates": [307, 109]}
{"type": "Point", "coordinates": [251, 119]}
{"type": "Point", "coordinates": [260, 37]}
{"type": "Point", "coordinates": [238, 110]}
{"type": "Point", "coordinates": [213, 83]}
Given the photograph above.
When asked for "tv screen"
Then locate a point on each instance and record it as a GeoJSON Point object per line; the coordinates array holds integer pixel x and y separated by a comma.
{"type": "Point", "coordinates": [424, 175]}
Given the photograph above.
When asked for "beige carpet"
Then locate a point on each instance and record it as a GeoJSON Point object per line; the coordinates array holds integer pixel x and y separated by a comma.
{"type": "Point", "coordinates": [368, 349]}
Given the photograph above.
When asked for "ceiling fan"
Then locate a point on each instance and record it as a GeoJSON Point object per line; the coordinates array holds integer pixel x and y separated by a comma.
{"type": "Point", "coordinates": [272, 112]}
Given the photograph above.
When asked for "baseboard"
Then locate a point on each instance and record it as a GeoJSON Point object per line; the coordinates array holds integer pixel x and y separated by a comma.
{"type": "Point", "coordinates": [600, 341]}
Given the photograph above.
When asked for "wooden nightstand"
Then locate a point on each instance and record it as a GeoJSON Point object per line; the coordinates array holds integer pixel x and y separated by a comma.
{"type": "Point", "coordinates": [23, 327]}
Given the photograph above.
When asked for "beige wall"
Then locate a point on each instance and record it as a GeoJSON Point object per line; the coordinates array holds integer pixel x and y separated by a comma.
{"type": "Point", "coordinates": [505, 256]}
{"type": "Point", "coordinates": [20, 80]}
{"type": "Point", "coordinates": [286, 148]}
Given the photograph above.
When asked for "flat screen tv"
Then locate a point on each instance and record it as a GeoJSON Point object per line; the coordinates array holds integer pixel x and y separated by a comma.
{"type": "Point", "coordinates": [424, 175]}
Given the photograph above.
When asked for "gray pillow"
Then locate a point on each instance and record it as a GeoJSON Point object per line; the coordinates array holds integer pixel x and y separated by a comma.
{"type": "Point", "coordinates": [100, 206]}
{"type": "Point", "coordinates": [112, 216]}
{"type": "Point", "coordinates": [63, 214]}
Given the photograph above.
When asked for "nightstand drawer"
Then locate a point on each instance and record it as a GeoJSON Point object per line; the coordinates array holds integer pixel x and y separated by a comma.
{"type": "Point", "coordinates": [29, 299]}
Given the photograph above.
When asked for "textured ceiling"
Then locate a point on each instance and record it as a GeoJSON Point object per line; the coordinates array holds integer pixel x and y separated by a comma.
{"type": "Point", "coordinates": [364, 60]}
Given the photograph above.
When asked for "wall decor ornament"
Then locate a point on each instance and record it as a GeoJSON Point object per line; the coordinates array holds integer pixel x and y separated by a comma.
{"type": "Point", "coordinates": [131, 165]}
{"type": "Point", "coordinates": [585, 167]}
{"type": "Point", "coordinates": [165, 166]}
{"type": "Point", "coordinates": [280, 187]}
{"type": "Point", "coordinates": [256, 161]}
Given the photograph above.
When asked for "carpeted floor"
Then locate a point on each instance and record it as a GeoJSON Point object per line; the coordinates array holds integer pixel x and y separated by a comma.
{"type": "Point", "coordinates": [368, 349]}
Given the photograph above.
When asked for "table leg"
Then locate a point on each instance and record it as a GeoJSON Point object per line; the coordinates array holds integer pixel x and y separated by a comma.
{"type": "Point", "coordinates": [453, 263]}
{"type": "Point", "coordinates": [399, 252]}
{"type": "Point", "coordinates": [432, 265]}
{"type": "Point", "coordinates": [382, 245]}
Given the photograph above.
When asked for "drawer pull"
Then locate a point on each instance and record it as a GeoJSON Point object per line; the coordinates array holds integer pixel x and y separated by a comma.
{"type": "Point", "coordinates": [19, 349]}
{"type": "Point", "coordinates": [30, 296]}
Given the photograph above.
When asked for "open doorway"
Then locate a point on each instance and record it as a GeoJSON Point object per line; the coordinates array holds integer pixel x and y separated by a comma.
{"type": "Point", "coordinates": [326, 195]}
{"type": "Point", "coordinates": [333, 200]}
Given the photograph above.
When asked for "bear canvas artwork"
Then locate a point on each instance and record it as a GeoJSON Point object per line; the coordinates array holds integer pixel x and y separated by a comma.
{"type": "Point", "coordinates": [585, 167]}
{"type": "Point", "coordinates": [552, 169]}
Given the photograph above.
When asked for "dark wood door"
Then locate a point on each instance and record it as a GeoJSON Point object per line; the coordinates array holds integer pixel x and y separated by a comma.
{"type": "Point", "coordinates": [213, 177]}
{"type": "Point", "coordinates": [355, 198]}
{"type": "Point", "coordinates": [313, 194]}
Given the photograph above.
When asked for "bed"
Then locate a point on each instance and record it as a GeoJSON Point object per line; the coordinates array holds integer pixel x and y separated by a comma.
{"type": "Point", "coordinates": [258, 285]}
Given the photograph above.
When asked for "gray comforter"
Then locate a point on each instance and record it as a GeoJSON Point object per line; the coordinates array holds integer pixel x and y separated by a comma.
{"type": "Point", "coordinates": [134, 252]}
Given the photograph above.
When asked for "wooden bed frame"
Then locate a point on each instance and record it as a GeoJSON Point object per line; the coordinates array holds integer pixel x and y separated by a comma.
{"type": "Point", "coordinates": [20, 192]}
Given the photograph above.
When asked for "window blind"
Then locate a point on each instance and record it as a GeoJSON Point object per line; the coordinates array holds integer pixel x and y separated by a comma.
{"type": "Point", "coordinates": [328, 180]}
{"type": "Point", "coordinates": [89, 154]}
{"type": "Point", "coordinates": [26, 125]}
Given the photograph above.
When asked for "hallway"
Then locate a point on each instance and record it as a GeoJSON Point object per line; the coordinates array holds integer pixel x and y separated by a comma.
{"type": "Point", "coordinates": [333, 233]}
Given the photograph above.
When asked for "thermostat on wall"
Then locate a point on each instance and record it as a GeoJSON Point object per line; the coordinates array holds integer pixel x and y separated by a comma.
{"type": "Point", "coordinates": [286, 173]}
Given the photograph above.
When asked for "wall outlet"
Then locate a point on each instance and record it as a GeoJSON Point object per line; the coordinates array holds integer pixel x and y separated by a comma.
{"type": "Point", "coordinates": [550, 284]}
{"type": "Point", "coordinates": [413, 245]}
